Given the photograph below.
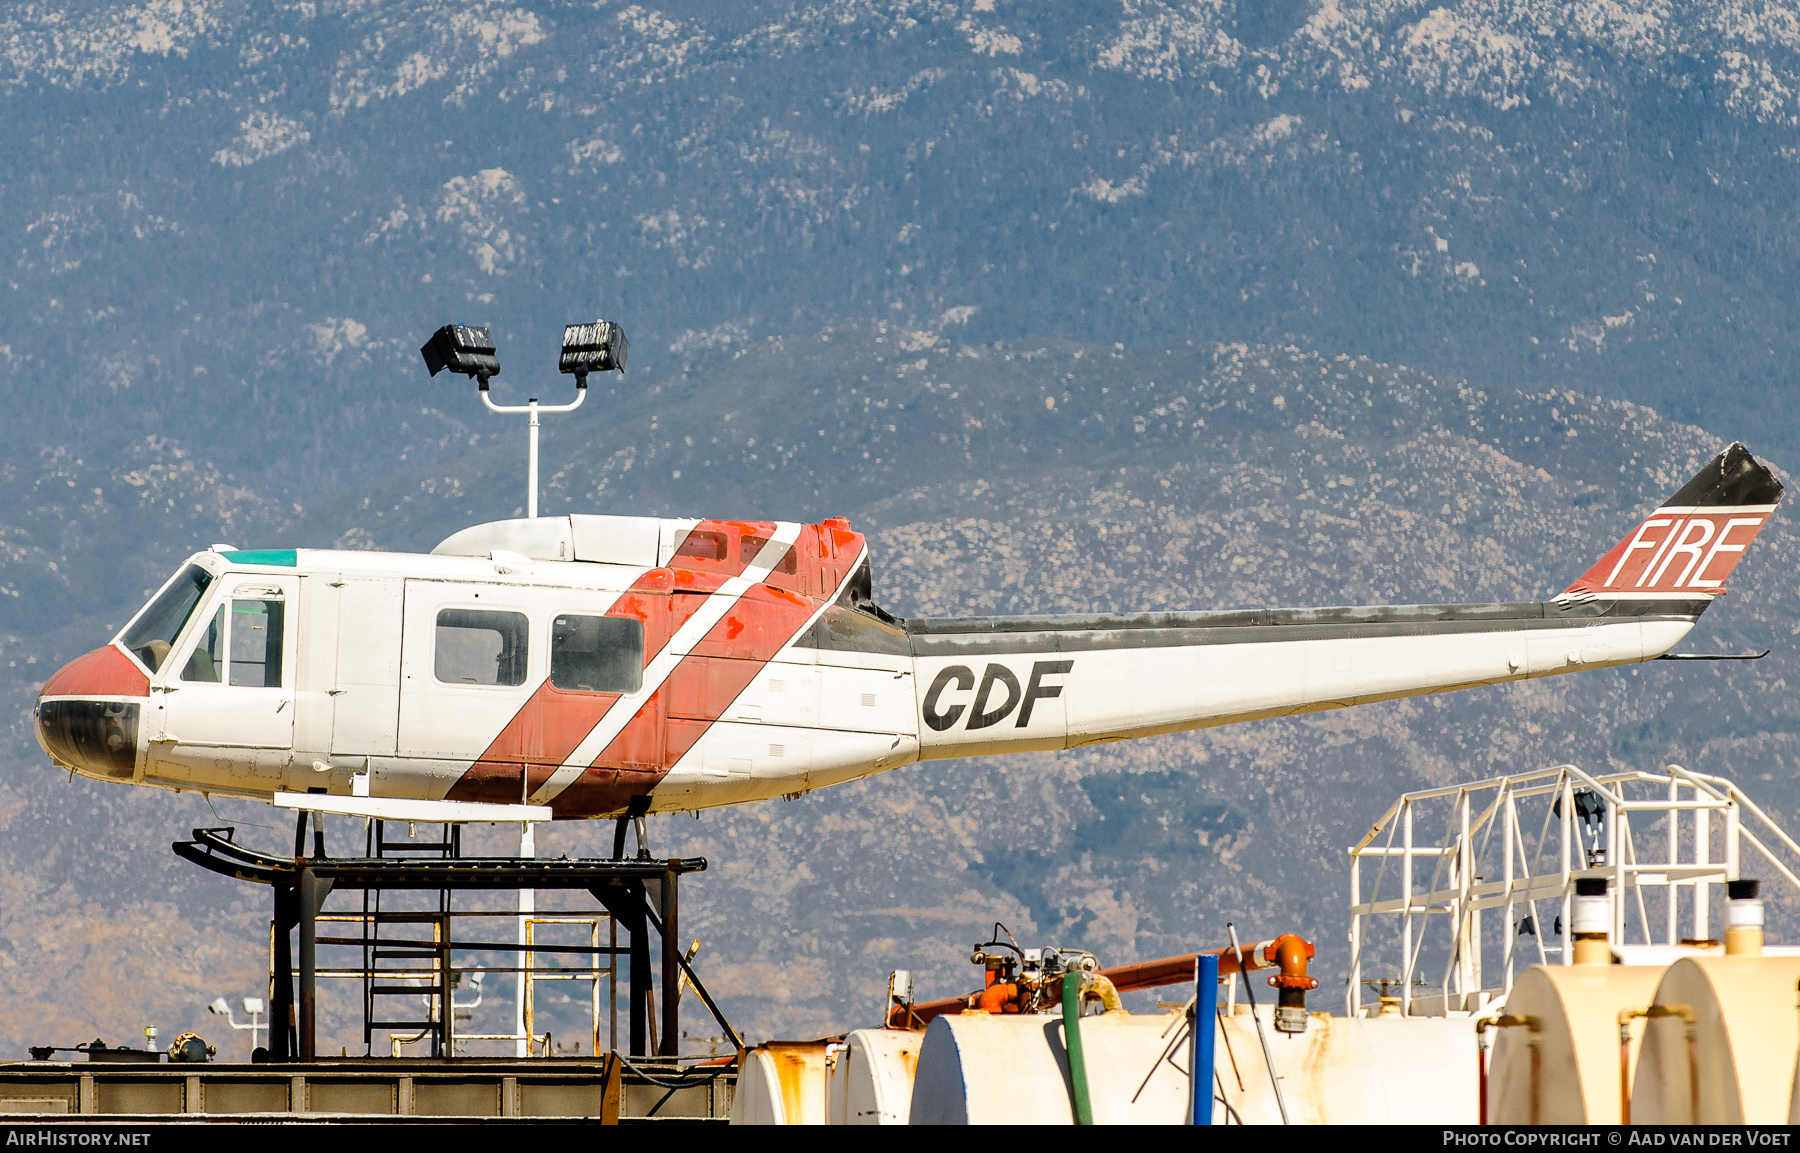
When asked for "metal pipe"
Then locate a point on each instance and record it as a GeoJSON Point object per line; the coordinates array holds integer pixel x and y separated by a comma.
{"type": "Point", "coordinates": [531, 472]}
{"type": "Point", "coordinates": [1204, 1023]}
{"type": "Point", "coordinates": [1530, 1025]}
{"type": "Point", "coordinates": [1071, 1014]}
{"type": "Point", "coordinates": [533, 408]}
{"type": "Point", "coordinates": [522, 1024]}
{"type": "Point", "coordinates": [1124, 978]}
{"type": "Point", "coordinates": [1354, 997]}
{"type": "Point", "coordinates": [1686, 1013]}
{"type": "Point", "coordinates": [1261, 1035]}
{"type": "Point", "coordinates": [1626, 1016]}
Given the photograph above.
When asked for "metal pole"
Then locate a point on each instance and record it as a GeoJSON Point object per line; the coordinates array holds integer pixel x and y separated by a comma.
{"type": "Point", "coordinates": [1674, 933]}
{"type": "Point", "coordinates": [1731, 840]}
{"type": "Point", "coordinates": [532, 481]}
{"type": "Point", "coordinates": [1355, 998]}
{"type": "Point", "coordinates": [283, 1022]}
{"type": "Point", "coordinates": [640, 974]}
{"type": "Point", "coordinates": [527, 897]}
{"type": "Point", "coordinates": [1205, 1024]}
{"type": "Point", "coordinates": [1250, 994]}
{"type": "Point", "coordinates": [1508, 812]}
{"type": "Point", "coordinates": [1702, 855]}
{"type": "Point", "coordinates": [532, 409]}
{"type": "Point", "coordinates": [671, 965]}
{"type": "Point", "coordinates": [1406, 886]}
{"type": "Point", "coordinates": [1615, 857]}
{"type": "Point", "coordinates": [309, 908]}
{"type": "Point", "coordinates": [1568, 826]}
{"type": "Point", "coordinates": [1465, 881]}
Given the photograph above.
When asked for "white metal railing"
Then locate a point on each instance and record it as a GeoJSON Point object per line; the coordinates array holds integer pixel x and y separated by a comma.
{"type": "Point", "coordinates": [1593, 837]}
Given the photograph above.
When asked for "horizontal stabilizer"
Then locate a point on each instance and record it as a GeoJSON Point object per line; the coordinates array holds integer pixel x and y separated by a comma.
{"type": "Point", "coordinates": [1687, 547]}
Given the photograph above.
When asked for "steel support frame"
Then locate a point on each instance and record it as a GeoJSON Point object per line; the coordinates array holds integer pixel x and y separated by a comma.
{"type": "Point", "coordinates": [300, 886]}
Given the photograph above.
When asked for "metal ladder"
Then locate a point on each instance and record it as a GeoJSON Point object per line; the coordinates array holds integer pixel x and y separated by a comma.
{"type": "Point", "coordinates": [390, 966]}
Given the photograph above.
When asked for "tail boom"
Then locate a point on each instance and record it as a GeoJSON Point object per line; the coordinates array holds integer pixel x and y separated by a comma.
{"type": "Point", "coordinates": [1015, 684]}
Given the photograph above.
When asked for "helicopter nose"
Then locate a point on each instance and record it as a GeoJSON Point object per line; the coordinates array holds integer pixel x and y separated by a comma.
{"type": "Point", "coordinates": [81, 720]}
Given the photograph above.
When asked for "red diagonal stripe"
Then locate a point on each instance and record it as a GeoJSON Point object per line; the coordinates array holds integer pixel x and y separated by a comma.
{"type": "Point", "coordinates": [553, 722]}
{"type": "Point", "coordinates": [717, 670]}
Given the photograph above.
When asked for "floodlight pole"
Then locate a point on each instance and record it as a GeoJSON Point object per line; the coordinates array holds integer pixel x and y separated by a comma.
{"type": "Point", "coordinates": [533, 408]}
{"type": "Point", "coordinates": [527, 842]}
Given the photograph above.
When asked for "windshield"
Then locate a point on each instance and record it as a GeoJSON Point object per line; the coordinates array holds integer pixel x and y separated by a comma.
{"type": "Point", "coordinates": [151, 636]}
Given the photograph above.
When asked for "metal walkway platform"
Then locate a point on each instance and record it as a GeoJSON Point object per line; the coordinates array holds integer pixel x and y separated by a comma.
{"type": "Point", "coordinates": [608, 1090]}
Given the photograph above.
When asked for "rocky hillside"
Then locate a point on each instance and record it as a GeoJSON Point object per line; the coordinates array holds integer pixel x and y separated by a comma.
{"type": "Point", "coordinates": [232, 222]}
{"type": "Point", "coordinates": [1013, 477]}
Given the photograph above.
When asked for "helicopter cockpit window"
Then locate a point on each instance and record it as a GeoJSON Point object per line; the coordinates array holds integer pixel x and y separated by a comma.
{"type": "Point", "coordinates": [256, 643]}
{"type": "Point", "coordinates": [480, 647]}
{"type": "Point", "coordinates": [597, 654]}
{"type": "Point", "coordinates": [208, 659]}
{"type": "Point", "coordinates": [241, 644]}
{"type": "Point", "coordinates": [151, 635]}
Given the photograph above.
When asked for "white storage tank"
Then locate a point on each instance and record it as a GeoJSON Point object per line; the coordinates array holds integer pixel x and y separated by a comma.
{"type": "Point", "coordinates": [1740, 1014]}
{"type": "Point", "coordinates": [870, 1079]}
{"type": "Point", "coordinates": [1348, 1071]}
{"type": "Point", "coordinates": [1575, 1009]}
{"type": "Point", "coordinates": [781, 1083]}
{"type": "Point", "coordinates": [982, 1069]}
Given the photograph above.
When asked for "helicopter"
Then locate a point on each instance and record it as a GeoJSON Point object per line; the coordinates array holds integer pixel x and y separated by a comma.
{"type": "Point", "coordinates": [601, 666]}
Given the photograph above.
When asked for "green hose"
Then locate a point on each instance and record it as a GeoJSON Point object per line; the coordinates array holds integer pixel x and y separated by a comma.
{"type": "Point", "coordinates": [1078, 1082]}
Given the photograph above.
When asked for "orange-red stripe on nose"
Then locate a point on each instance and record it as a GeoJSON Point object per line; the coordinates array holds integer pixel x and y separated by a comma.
{"type": "Point", "coordinates": [105, 672]}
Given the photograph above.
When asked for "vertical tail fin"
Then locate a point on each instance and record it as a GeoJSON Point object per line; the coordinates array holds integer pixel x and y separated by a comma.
{"type": "Point", "coordinates": [1687, 547]}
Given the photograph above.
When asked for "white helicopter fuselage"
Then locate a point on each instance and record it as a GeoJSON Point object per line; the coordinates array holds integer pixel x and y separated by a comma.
{"type": "Point", "coordinates": [599, 665]}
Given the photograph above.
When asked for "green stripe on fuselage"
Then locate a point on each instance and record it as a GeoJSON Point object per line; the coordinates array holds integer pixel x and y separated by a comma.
{"type": "Point", "coordinates": [283, 557]}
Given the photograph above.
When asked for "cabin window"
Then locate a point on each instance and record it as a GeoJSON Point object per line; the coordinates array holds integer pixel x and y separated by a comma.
{"type": "Point", "coordinates": [480, 647]}
{"type": "Point", "coordinates": [150, 636]}
{"type": "Point", "coordinates": [597, 654]}
{"type": "Point", "coordinates": [703, 546]}
{"type": "Point", "coordinates": [208, 660]}
{"type": "Point", "coordinates": [256, 627]}
{"type": "Point", "coordinates": [752, 545]}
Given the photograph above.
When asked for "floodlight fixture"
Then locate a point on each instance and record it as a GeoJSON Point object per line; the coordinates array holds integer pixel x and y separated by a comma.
{"type": "Point", "coordinates": [252, 1006]}
{"type": "Point", "coordinates": [597, 347]}
{"type": "Point", "coordinates": [463, 348]}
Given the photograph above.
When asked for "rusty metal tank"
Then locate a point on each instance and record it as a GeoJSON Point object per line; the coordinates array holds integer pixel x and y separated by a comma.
{"type": "Point", "coordinates": [870, 1079]}
{"type": "Point", "coordinates": [782, 1083]}
{"type": "Point", "coordinates": [1571, 1012]}
{"type": "Point", "coordinates": [1720, 1043]}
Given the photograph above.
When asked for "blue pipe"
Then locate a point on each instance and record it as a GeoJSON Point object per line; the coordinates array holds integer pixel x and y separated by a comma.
{"type": "Point", "coordinates": [1206, 1013]}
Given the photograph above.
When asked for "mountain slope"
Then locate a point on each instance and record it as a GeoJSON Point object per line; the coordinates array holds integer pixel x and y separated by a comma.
{"type": "Point", "coordinates": [1187, 477]}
